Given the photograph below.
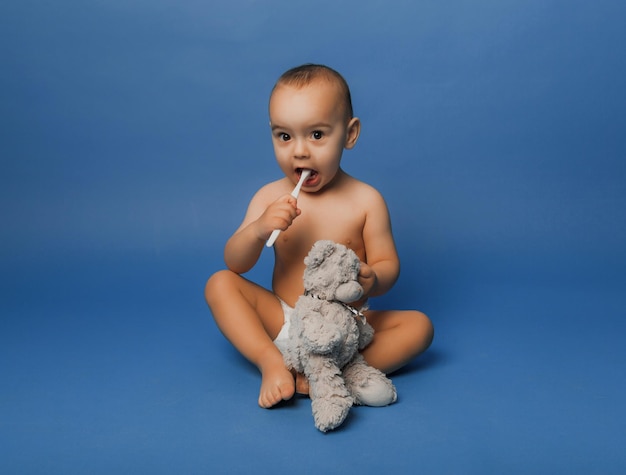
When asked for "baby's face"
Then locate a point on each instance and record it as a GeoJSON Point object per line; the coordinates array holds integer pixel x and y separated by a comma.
{"type": "Point", "coordinates": [310, 129]}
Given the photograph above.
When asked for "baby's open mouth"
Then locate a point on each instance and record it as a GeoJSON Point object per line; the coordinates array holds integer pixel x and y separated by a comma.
{"type": "Point", "coordinates": [312, 173]}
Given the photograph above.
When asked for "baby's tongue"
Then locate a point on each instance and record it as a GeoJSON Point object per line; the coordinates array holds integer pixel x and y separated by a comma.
{"type": "Point", "coordinates": [311, 177]}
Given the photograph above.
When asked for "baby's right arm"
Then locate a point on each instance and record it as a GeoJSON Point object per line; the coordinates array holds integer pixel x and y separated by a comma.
{"type": "Point", "coordinates": [243, 249]}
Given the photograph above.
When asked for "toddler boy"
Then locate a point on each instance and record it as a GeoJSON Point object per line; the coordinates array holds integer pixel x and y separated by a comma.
{"type": "Point", "coordinates": [312, 122]}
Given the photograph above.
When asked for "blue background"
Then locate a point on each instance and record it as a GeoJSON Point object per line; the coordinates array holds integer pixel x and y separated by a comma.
{"type": "Point", "coordinates": [132, 136]}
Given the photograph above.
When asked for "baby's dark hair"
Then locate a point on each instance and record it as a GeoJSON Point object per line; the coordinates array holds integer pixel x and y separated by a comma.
{"type": "Point", "coordinates": [307, 73]}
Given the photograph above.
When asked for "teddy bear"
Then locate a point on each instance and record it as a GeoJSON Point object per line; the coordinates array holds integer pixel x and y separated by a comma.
{"type": "Point", "coordinates": [326, 334]}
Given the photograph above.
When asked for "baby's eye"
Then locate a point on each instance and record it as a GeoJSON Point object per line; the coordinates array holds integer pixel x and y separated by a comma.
{"type": "Point", "coordinates": [284, 137]}
{"type": "Point", "coordinates": [317, 135]}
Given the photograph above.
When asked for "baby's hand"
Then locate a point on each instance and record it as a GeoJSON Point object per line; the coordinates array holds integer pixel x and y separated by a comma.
{"type": "Point", "coordinates": [367, 279]}
{"type": "Point", "coordinates": [279, 215]}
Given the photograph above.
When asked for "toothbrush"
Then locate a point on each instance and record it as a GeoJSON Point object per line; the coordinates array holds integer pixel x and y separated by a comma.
{"type": "Point", "coordinates": [305, 174]}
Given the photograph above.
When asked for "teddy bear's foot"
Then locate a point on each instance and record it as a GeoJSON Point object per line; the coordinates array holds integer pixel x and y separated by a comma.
{"type": "Point", "coordinates": [368, 386]}
{"type": "Point", "coordinates": [375, 393]}
{"type": "Point", "coordinates": [330, 412]}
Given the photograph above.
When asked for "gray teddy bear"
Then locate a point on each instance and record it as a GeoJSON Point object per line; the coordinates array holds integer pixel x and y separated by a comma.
{"type": "Point", "coordinates": [326, 334]}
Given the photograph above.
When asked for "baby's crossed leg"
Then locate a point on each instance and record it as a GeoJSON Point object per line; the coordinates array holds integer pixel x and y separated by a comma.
{"type": "Point", "coordinates": [250, 316]}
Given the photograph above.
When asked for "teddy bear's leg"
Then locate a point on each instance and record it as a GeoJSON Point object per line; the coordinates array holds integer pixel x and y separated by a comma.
{"type": "Point", "coordinates": [368, 386]}
{"type": "Point", "coordinates": [330, 399]}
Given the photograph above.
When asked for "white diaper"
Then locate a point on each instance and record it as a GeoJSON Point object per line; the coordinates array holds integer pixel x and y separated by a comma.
{"type": "Point", "coordinates": [283, 336]}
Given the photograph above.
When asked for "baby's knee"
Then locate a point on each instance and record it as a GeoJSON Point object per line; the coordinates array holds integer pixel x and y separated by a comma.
{"type": "Point", "coordinates": [422, 329]}
{"type": "Point", "coordinates": [218, 284]}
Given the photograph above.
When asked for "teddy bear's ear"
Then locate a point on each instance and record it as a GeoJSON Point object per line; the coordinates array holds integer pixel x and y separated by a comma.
{"type": "Point", "coordinates": [319, 252]}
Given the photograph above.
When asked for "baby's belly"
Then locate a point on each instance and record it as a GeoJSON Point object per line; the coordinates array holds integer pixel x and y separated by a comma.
{"type": "Point", "coordinates": [289, 270]}
{"type": "Point", "coordinates": [288, 287]}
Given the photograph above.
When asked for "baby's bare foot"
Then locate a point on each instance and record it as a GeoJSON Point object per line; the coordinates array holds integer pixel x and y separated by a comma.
{"type": "Point", "coordinates": [277, 384]}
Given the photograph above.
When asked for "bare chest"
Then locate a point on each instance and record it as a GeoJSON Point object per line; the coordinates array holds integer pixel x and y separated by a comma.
{"type": "Point", "coordinates": [342, 223]}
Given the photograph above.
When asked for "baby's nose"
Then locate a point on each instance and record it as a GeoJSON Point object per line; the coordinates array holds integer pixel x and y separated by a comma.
{"type": "Point", "coordinates": [300, 148]}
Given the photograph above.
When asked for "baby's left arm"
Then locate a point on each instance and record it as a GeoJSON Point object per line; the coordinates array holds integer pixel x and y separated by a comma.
{"type": "Point", "coordinates": [381, 271]}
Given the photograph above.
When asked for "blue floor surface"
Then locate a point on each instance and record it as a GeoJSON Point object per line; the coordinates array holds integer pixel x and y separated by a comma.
{"type": "Point", "coordinates": [114, 366]}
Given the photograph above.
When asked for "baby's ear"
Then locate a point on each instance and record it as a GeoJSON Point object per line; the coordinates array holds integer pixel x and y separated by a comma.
{"type": "Point", "coordinates": [353, 132]}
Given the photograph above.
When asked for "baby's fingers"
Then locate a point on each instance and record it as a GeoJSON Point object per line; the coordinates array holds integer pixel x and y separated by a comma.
{"type": "Point", "coordinates": [281, 215]}
{"type": "Point", "coordinates": [285, 218]}
{"type": "Point", "coordinates": [365, 270]}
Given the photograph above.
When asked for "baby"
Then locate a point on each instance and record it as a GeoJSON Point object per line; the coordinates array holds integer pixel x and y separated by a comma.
{"type": "Point", "coordinates": [312, 122]}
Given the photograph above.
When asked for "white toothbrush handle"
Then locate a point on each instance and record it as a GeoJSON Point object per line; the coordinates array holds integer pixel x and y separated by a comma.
{"type": "Point", "coordinates": [270, 242]}
{"type": "Point", "coordinates": [305, 174]}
